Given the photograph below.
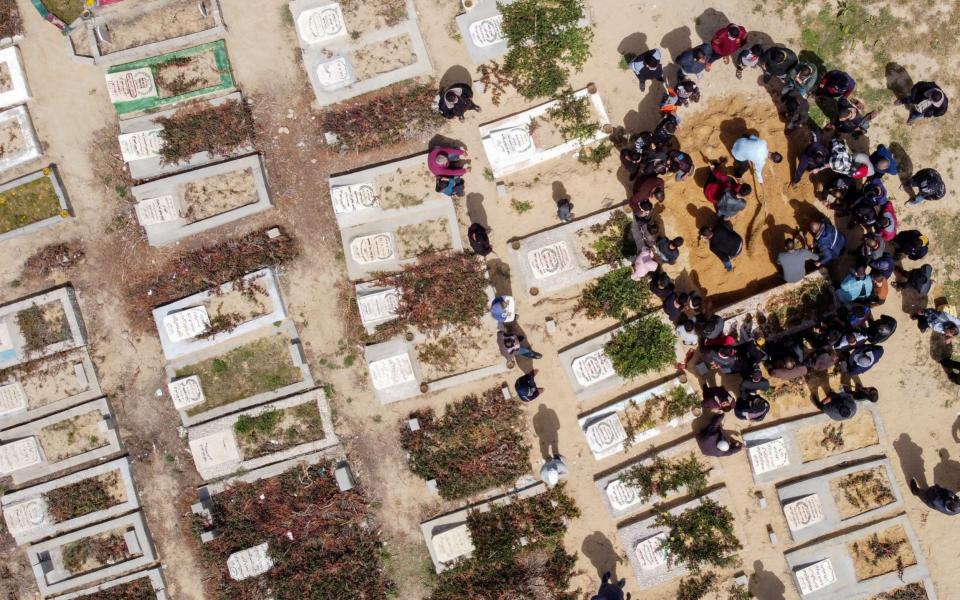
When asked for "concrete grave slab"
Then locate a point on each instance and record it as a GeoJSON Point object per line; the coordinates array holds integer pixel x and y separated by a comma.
{"type": "Point", "coordinates": [286, 329]}
{"type": "Point", "coordinates": [46, 466]}
{"type": "Point", "coordinates": [18, 119]}
{"type": "Point", "coordinates": [604, 429]}
{"type": "Point", "coordinates": [377, 304]}
{"type": "Point", "coordinates": [140, 142]}
{"type": "Point", "coordinates": [775, 454]}
{"type": "Point", "coordinates": [741, 316]}
{"type": "Point", "coordinates": [12, 64]}
{"type": "Point", "coordinates": [510, 146]}
{"type": "Point", "coordinates": [162, 206]}
{"type": "Point", "coordinates": [372, 246]}
{"type": "Point", "coordinates": [641, 541]}
{"type": "Point", "coordinates": [264, 278]}
{"type": "Point", "coordinates": [812, 511]}
{"type": "Point", "coordinates": [154, 575]}
{"type": "Point", "coordinates": [46, 558]}
{"type": "Point", "coordinates": [63, 214]}
{"type": "Point", "coordinates": [826, 571]}
{"type": "Point", "coordinates": [28, 520]}
{"type": "Point", "coordinates": [552, 261]}
{"type": "Point", "coordinates": [13, 346]}
{"type": "Point", "coordinates": [333, 454]}
{"type": "Point", "coordinates": [249, 562]}
{"type": "Point", "coordinates": [216, 449]}
{"type": "Point", "coordinates": [20, 454]}
{"type": "Point", "coordinates": [448, 538]}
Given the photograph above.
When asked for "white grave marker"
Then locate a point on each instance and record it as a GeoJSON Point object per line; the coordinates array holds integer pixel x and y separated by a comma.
{"type": "Point", "coordinates": [154, 211]}
{"type": "Point", "coordinates": [249, 563]}
{"type": "Point", "coordinates": [186, 324]}
{"type": "Point", "coordinates": [26, 516]}
{"type": "Point", "coordinates": [769, 456]}
{"type": "Point", "coordinates": [16, 92]}
{"type": "Point", "coordinates": [550, 260]}
{"type": "Point", "coordinates": [19, 455]}
{"type": "Point", "coordinates": [453, 543]}
{"type": "Point", "coordinates": [650, 554]}
{"type": "Point", "coordinates": [334, 73]}
{"type": "Point", "coordinates": [392, 371]}
{"type": "Point", "coordinates": [352, 198]}
{"type": "Point", "coordinates": [592, 368]}
{"type": "Point", "coordinates": [140, 144]}
{"type": "Point", "coordinates": [321, 24]}
{"type": "Point", "coordinates": [131, 85]}
{"type": "Point", "coordinates": [804, 512]}
{"type": "Point", "coordinates": [6, 340]}
{"type": "Point", "coordinates": [372, 248]}
{"type": "Point", "coordinates": [513, 143]}
{"type": "Point", "coordinates": [621, 495]}
{"type": "Point", "coordinates": [379, 306]}
{"type": "Point", "coordinates": [487, 32]}
{"type": "Point", "coordinates": [186, 392]}
{"type": "Point", "coordinates": [816, 577]}
{"type": "Point", "coordinates": [215, 449]}
{"type": "Point", "coordinates": [606, 434]}
{"type": "Point", "coordinates": [12, 398]}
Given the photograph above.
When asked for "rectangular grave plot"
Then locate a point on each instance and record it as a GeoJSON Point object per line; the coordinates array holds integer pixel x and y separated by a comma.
{"type": "Point", "coordinates": [18, 141]}
{"type": "Point", "coordinates": [322, 23]}
{"type": "Point", "coordinates": [394, 371]}
{"type": "Point", "coordinates": [119, 37]}
{"type": "Point", "coordinates": [459, 351]}
{"type": "Point", "coordinates": [143, 584]}
{"type": "Point", "coordinates": [32, 202]}
{"type": "Point", "coordinates": [376, 305]}
{"type": "Point", "coordinates": [77, 500]}
{"type": "Point", "coordinates": [13, 81]}
{"type": "Point", "coordinates": [482, 32]}
{"type": "Point", "coordinates": [39, 326]}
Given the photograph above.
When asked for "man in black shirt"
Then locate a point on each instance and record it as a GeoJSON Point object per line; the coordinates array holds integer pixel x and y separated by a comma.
{"type": "Point", "coordinates": [724, 242]}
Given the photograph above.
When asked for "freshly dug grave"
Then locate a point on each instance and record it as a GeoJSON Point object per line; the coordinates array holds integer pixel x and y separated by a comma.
{"type": "Point", "coordinates": [820, 441]}
{"type": "Point", "coordinates": [458, 351]}
{"type": "Point", "coordinates": [861, 491]}
{"type": "Point", "coordinates": [405, 187]}
{"type": "Point", "coordinates": [420, 238]}
{"type": "Point", "coordinates": [72, 437]}
{"type": "Point", "coordinates": [217, 194]}
{"type": "Point", "coordinates": [383, 57]}
{"type": "Point", "coordinates": [174, 19]}
{"type": "Point", "coordinates": [883, 552]}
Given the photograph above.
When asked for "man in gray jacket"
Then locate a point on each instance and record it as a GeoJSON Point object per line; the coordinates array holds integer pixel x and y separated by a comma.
{"type": "Point", "coordinates": [793, 261]}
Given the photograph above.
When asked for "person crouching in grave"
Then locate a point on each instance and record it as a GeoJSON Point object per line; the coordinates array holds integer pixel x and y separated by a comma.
{"type": "Point", "coordinates": [456, 100]}
{"type": "Point", "coordinates": [725, 243]}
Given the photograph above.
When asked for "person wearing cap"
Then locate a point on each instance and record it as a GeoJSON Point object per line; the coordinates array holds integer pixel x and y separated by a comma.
{"type": "Point", "coordinates": [793, 261]}
{"type": "Point", "coordinates": [777, 61]}
{"type": "Point", "coordinates": [929, 186]}
{"type": "Point", "coordinates": [694, 61]}
{"type": "Point", "coordinates": [457, 100]}
{"type": "Point", "coordinates": [863, 358]}
{"type": "Point", "coordinates": [748, 58]}
{"type": "Point", "coordinates": [647, 67]}
{"type": "Point", "coordinates": [726, 41]}
{"type": "Point", "coordinates": [925, 101]}
{"type": "Point", "coordinates": [748, 150]}
{"type": "Point", "coordinates": [725, 243]}
{"type": "Point", "coordinates": [831, 244]}
{"type": "Point", "coordinates": [712, 441]}
{"type": "Point", "coordinates": [911, 243]}
{"type": "Point", "coordinates": [751, 408]}
{"type": "Point", "coordinates": [526, 386]}
{"type": "Point", "coordinates": [937, 497]}
{"type": "Point", "coordinates": [553, 471]}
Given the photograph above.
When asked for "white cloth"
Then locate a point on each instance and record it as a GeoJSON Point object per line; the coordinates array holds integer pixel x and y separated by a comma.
{"type": "Point", "coordinates": [553, 470]}
{"type": "Point", "coordinates": [754, 150]}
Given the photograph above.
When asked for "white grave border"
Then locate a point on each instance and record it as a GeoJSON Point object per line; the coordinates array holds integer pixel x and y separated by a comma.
{"type": "Point", "coordinates": [54, 176]}
{"type": "Point", "coordinates": [66, 296]}
{"type": "Point", "coordinates": [32, 150]}
{"type": "Point", "coordinates": [19, 91]}
{"type": "Point", "coordinates": [154, 575]}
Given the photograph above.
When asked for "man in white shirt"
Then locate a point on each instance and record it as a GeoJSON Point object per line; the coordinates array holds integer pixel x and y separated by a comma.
{"type": "Point", "coordinates": [751, 149]}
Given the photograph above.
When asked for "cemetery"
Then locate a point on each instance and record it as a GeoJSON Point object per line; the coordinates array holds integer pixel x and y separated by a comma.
{"type": "Point", "coordinates": [40, 326]}
{"type": "Point", "coordinates": [32, 202]}
{"type": "Point", "coordinates": [18, 142]}
{"type": "Point", "coordinates": [784, 309]}
{"type": "Point", "coordinates": [46, 386]}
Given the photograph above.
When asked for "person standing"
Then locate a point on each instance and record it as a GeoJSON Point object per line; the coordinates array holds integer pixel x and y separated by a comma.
{"type": "Point", "coordinates": [748, 150]}
{"type": "Point", "coordinates": [802, 78]}
{"type": "Point", "coordinates": [647, 67]}
{"type": "Point", "coordinates": [553, 471]}
{"type": "Point", "coordinates": [883, 162]}
{"type": "Point", "coordinates": [836, 84]}
{"type": "Point", "coordinates": [937, 497]}
{"type": "Point", "coordinates": [911, 243]}
{"type": "Point", "coordinates": [748, 58]}
{"type": "Point", "coordinates": [445, 162]}
{"type": "Point", "coordinates": [815, 158]}
{"type": "Point", "coordinates": [610, 590]}
{"type": "Point", "coordinates": [479, 240]}
{"type": "Point", "coordinates": [511, 346]}
{"type": "Point", "coordinates": [831, 244]}
{"type": "Point", "coordinates": [716, 401]}
{"type": "Point", "coordinates": [777, 62]}
{"type": "Point", "coordinates": [712, 441]}
{"type": "Point", "coordinates": [526, 386]}
{"type": "Point", "coordinates": [929, 186]}
{"type": "Point", "coordinates": [564, 210]}
{"type": "Point", "coordinates": [920, 280]}
{"type": "Point", "coordinates": [680, 163]}
{"type": "Point", "coordinates": [725, 243]}
{"type": "Point", "coordinates": [796, 109]}
{"type": "Point", "coordinates": [669, 250]}
{"type": "Point", "coordinates": [456, 100]}
{"type": "Point", "coordinates": [694, 61]}
{"type": "Point", "coordinates": [793, 261]}
{"type": "Point", "coordinates": [925, 101]}
{"type": "Point", "coordinates": [726, 41]}
{"type": "Point", "coordinates": [644, 188]}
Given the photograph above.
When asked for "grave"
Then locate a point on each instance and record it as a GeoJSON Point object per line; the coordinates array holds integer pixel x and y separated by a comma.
{"type": "Point", "coordinates": [447, 535]}
{"type": "Point", "coordinates": [17, 91]}
{"type": "Point", "coordinates": [552, 261]}
{"type": "Point", "coordinates": [742, 316]}
{"type": "Point", "coordinates": [13, 346]}
{"type": "Point", "coordinates": [217, 450]}
{"type": "Point", "coordinates": [374, 246]}
{"type": "Point", "coordinates": [377, 304]}
{"type": "Point", "coordinates": [604, 428]}
{"type": "Point", "coordinates": [47, 465]}
{"type": "Point", "coordinates": [776, 452]}
{"type": "Point", "coordinates": [826, 570]}
{"type": "Point", "coordinates": [58, 213]}
{"type": "Point", "coordinates": [191, 395]}
{"type": "Point", "coordinates": [26, 512]}
{"type": "Point", "coordinates": [165, 206]}
{"type": "Point", "coordinates": [17, 455]}
{"type": "Point", "coordinates": [140, 144]}
{"type": "Point", "coordinates": [510, 146]}
{"type": "Point", "coordinates": [249, 562]}
{"type": "Point", "coordinates": [641, 541]}
{"type": "Point", "coordinates": [47, 560]}
{"type": "Point", "coordinates": [154, 575]}
{"type": "Point", "coordinates": [208, 490]}
{"type": "Point", "coordinates": [217, 299]}
{"type": "Point", "coordinates": [335, 58]}
{"type": "Point", "coordinates": [812, 508]}
{"type": "Point", "coordinates": [16, 123]}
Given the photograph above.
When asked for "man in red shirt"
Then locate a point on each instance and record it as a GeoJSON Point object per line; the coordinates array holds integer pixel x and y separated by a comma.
{"type": "Point", "coordinates": [719, 182]}
{"type": "Point", "coordinates": [726, 41]}
{"type": "Point", "coordinates": [643, 189]}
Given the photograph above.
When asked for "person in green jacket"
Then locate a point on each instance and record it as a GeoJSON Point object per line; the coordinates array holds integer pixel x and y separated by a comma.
{"type": "Point", "coordinates": [802, 77]}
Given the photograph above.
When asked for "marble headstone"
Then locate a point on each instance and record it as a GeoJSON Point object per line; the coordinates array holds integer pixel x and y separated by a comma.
{"type": "Point", "coordinates": [334, 73]}
{"type": "Point", "coordinates": [550, 260]}
{"type": "Point", "coordinates": [606, 434]}
{"type": "Point", "coordinates": [803, 512]}
{"type": "Point", "coordinates": [186, 392]}
{"type": "Point", "coordinates": [26, 516]}
{"type": "Point", "coordinates": [816, 577]}
{"type": "Point", "coordinates": [249, 562]}
{"type": "Point", "coordinates": [487, 32]}
{"type": "Point", "coordinates": [592, 368]}
{"type": "Point", "coordinates": [649, 553]}
{"type": "Point", "coordinates": [372, 248]}
{"type": "Point", "coordinates": [321, 24]}
{"type": "Point", "coordinates": [215, 449]}
{"type": "Point", "coordinates": [354, 197]}
{"type": "Point", "coordinates": [392, 371]}
{"type": "Point", "coordinates": [12, 398]}
{"type": "Point", "coordinates": [19, 454]}
{"type": "Point", "coordinates": [140, 144]}
{"type": "Point", "coordinates": [154, 211]}
{"type": "Point", "coordinates": [379, 306]}
{"type": "Point", "coordinates": [186, 324]}
{"type": "Point", "coordinates": [131, 85]}
{"type": "Point", "coordinates": [769, 456]}
{"type": "Point", "coordinates": [453, 543]}
{"type": "Point", "coordinates": [621, 495]}
{"type": "Point", "coordinates": [513, 143]}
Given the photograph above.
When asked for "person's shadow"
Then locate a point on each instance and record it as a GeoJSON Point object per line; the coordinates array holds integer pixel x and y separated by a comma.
{"type": "Point", "coordinates": [955, 430]}
{"type": "Point", "coordinates": [546, 425]}
{"type": "Point", "coordinates": [709, 22]}
{"type": "Point", "coordinates": [764, 584]}
{"type": "Point", "coordinates": [911, 459]}
{"type": "Point", "coordinates": [475, 209]}
{"type": "Point", "coordinates": [602, 554]}
{"type": "Point", "coordinates": [898, 80]}
{"type": "Point", "coordinates": [947, 472]}
{"type": "Point", "coordinates": [455, 74]}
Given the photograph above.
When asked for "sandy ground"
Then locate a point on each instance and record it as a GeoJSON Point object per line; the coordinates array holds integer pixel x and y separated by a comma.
{"type": "Point", "coordinates": [70, 107]}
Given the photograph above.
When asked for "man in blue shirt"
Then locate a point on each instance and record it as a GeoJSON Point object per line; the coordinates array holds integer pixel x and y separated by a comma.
{"type": "Point", "coordinates": [883, 161]}
{"type": "Point", "coordinates": [695, 61]}
{"type": "Point", "coordinates": [526, 386]}
{"type": "Point", "coordinates": [830, 242]}
{"type": "Point", "coordinates": [751, 149]}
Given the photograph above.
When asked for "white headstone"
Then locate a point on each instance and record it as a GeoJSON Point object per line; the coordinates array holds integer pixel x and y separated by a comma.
{"type": "Point", "coordinates": [804, 512]}
{"type": "Point", "coordinates": [334, 73]}
{"type": "Point", "coordinates": [487, 32]}
{"type": "Point", "coordinates": [19, 455]}
{"type": "Point", "coordinates": [606, 434]}
{"type": "Point", "coordinates": [131, 85]}
{"type": "Point", "coordinates": [592, 368]}
{"type": "Point", "coordinates": [378, 306]}
{"type": "Point", "coordinates": [186, 392]}
{"type": "Point", "coordinates": [354, 197]}
{"type": "Point", "coordinates": [392, 371]}
{"type": "Point", "coordinates": [26, 516]}
{"type": "Point", "coordinates": [550, 260]}
{"type": "Point", "coordinates": [769, 456]}
{"type": "Point", "coordinates": [321, 24]}
{"type": "Point", "coordinates": [215, 449]}
{"type": "Point", "coordinates": [816, 577]}
{"type": "Point", "coordinates": [453, 543]}
{"type": "Point", "coordinates": [649, 553]}
{"type": "Point", "coordinates": [6, 340]}
{"type": "Point", "coordinates": [621, 495]}
{"type": "Point", "coordinates": [372, 248]}
{"type": "Point", "coordinates": [154, 211]}
{"type": "Point", "coordinates": [249, 563]}
{"type": "Point", "coordinates": [513, 143]}
{"type": "Point", "coordinates": [187, 323]}
{"type": "Point", "coordinates": [12, 398]}
{"type": "Point", "coordinates": [140, 144]}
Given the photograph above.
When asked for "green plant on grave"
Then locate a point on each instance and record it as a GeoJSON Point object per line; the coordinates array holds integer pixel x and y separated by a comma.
{"type": "Point", "coordinates": [201, 127]}
{"type": "Point", "coordinates": [594, 155]}
{"type": "Point", "coordinates": [663, 476]}
{"type": "Point", "coordinates": [700, 536]}
{"type": "Point", "coordinates": [545, 41]}
{"type": "Point", "coordinates": [696, 587]}
{"type": "Point", "coordinates": [263, 423]}
{"type": "Point", "coordinates": [521, 206]}
{"type": "Point", "coordinates": [642, 346]}
{"type": "Point", "coordinates": [572, 116]}
{"type": "Point", "coordinates": [738, 592]}
{"type": "Point", "coordinates": [832, 437]}
{"type": "Point", "coordinates": [911, 591]}
{"type": "Point", "coordinates": [678, 402]}
{"type": "Point", "coordinates": [616, 295]}
{"type": "Point", "coordinates": [608, 242]}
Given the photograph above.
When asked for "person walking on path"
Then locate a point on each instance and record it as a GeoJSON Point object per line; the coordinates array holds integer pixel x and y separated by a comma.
{"type": "Point", "coordinates": [929, 186]}
{"type": "Point", "coordinates": [925, 101]}
{"type": "Point", "coordinates": [456, 100]}
{"type": "Point", "coordinates": [526, 386]}
{"type": "Point", "coordinates": [553, 471]}
{"type": "Point", "coordinates": [793, 261]}
{"type": "Point", "coordinates": [726, 41]}
{"type": "Point", "coordinates": [937, 497]}
{"type": "Point", "coordinates": [479, 240]}
{"type": "Point", "coordinates": [748, 150]}
{"type": "Point", "coordinates": [610, 590]}
{"type": "Point", "coordinates": [725, 243]}
{"type": "Point", "coordinates": [712, 441]}
{"type": "Point", "coordinates": [777, 62]}
{"type": "Point", "coordinates": [511, 346]}
{"type": "Point", "coordinates": [694, 61]}
{"type": "Point", "coordinates": [831, 244]}
{"type": "Point", "coordinates": [445, 162]}
{"type": "Point", "coordinates": [647, 67]}
{"type": "Point", "coordinates": [564, 210]}
{"type": "Point", "coordinates": [748, 58]}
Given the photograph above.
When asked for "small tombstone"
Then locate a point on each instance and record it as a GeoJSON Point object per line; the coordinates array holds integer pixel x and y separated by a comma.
{"type": "Point", "coordinates": [769, 456]}
{"type": "Point", "coordinates": [19, 454]}
{"type": "Point", "coordinates": [550, 260]}
{"type": "Point", "coordinates": [372, 248]}
{"type": "Point", "coordinates": [334, 73]}
{"type": "Point", "coordinates": [134, 84]}
{"type": "Point", "coordinates": [154, 211]}
{"type": "Point", "coordinates": [187, 323]}
{"type": "Point", "coordinates": [344, 477]}
{"type": "Point", "coordinates": [771, 534]}
{"type": "Point", "coordinates": [321, 24]}
{"type": "Point", "coordinates": [379, 305]}
{"type": "Point", "coordinates": [551, 325]}
{"type": "Point", "coordinates": [649, 553]}
{"type": "Point", "coordinates": [215, 449]}
{"type": "Point", "coordinates": [140, 145]}
{"type": "Point", "coordinates": [804, 512]}
{"type": "Point", "coordinates": [12, 398]}
{"type": "Point", "coordinates": [250, 562]}
{"type": "Point", "coordinates": [414, 424]}
{"type": "Point", "coordinates": [592, 368]}
{"type": "Point", "coordinates": [208, 536]}
{"type": "Point", "coordinates": [273, 233]}
{"type": "Point", "coordinates": [186, 392]}
{"type": "Point", "coordinates": [453, 543]}
{"type": "Point", "coordinates": [513, 143]}
{"type": "Point", "coordinates": [606, 433]}
{"type": "Point", "coordinates": [816, 577]}
{"type": "Point", "coordinates": [29, 515]}
{"type": "Point", "coordinates": [621, 495]}
{"type": "Point", "coordinates": [505, 390]}
{"type": "Point", "coordinates": [432, 486]}
{"type": "Point", "coordinates": [487, 32]}
{"type": "Point", "coordinates": [353, 197]}
{"type": "Point", "coordinates": [391, 371]}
